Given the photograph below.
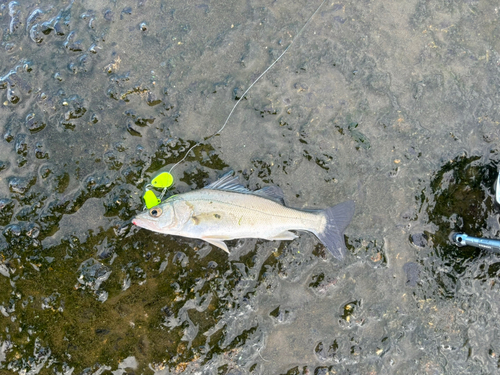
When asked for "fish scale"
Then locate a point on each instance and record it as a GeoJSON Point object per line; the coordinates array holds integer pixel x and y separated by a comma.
{"type": "Point", "coordinates": [244, 210]}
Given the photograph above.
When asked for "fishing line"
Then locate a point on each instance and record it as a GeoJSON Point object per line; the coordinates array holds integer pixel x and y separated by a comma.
{"type": "Point", "coordinates": [165, 180]}
{"type": "Point", "coordinates": [247, 90]}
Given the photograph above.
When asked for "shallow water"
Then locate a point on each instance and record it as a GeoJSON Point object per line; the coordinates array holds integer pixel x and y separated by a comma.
{"type": "Point", "coordinates": [393, 105]}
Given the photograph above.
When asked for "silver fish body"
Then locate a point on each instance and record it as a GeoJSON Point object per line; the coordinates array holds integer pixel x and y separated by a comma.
{"type": "Point", "coordinates": [225, 210]}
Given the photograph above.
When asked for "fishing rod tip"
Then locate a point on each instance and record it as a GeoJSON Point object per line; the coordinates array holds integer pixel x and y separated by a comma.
{"type": "Point", "coordinates": [458, 239]}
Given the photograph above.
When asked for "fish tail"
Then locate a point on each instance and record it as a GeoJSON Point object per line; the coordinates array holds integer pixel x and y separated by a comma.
{"type": "Point", "coordinates": [337, 219]}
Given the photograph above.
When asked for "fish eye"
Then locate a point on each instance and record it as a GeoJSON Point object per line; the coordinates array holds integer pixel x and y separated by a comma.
{"type": "Point", "coordinates": [155, 212]}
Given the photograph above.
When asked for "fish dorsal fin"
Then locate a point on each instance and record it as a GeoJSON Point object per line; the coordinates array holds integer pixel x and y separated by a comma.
{"type": "Point", "coordinates": [228, 182]}
{"type": "Point", "coordinates": [271, 192]}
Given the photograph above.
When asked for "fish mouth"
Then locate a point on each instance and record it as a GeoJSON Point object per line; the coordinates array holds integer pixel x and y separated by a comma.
{"type": "Point", "coordinates": [142, 223]}
{"type": "Point", "coordinates": [139, 222]}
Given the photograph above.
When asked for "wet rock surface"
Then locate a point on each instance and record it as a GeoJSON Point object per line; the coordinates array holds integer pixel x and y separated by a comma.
{"type": "Point", "coordinates": [390, 104]}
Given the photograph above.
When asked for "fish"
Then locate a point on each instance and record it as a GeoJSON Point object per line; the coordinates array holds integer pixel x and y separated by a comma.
{"type": "Point", "coordinates": [226, 210]}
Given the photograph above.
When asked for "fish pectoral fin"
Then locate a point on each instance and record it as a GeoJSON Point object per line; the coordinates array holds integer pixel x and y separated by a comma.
{"type": "Point", "coordinates": [283, 236]}
{"type": "Point", "coordinates": [216, 242]}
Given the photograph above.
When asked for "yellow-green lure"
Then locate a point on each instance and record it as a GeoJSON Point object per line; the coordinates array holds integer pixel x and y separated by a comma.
{"type": "Point", "coordinates": [162, 181]}
{"type": "Point", "coordinates": [150, 199]}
